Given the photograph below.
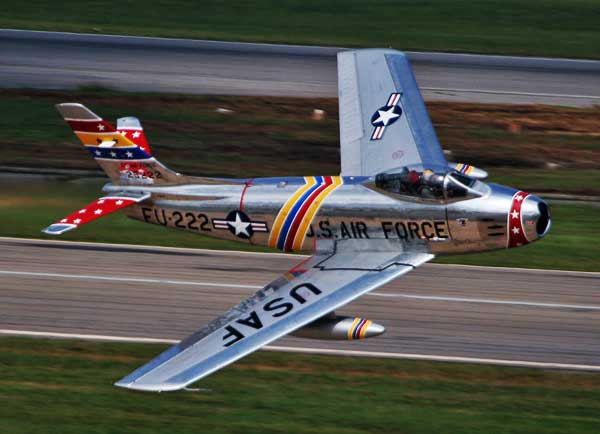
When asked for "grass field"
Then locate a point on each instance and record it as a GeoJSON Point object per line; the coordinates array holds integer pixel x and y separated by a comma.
{"type": "Point", "coordinates": [276, 136]}
{"type": "Point", "coordinates": [50, 386]}
{"type": "Point", "coordinates": [563, 28]}
{"type": "Point", "coordinates": [27, 206]}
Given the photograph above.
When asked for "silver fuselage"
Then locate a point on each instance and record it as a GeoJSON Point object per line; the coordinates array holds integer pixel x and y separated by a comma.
{"type": "Point", "coordinates": [352, 209]}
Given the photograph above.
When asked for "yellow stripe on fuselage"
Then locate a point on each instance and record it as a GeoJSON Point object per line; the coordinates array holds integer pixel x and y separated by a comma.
{"type": "Point", "coordinates": [312, 211]}
{"type": "Point", "coordinates": [310, 181]}
{"type": "Point", "coordinates": [91, 139]}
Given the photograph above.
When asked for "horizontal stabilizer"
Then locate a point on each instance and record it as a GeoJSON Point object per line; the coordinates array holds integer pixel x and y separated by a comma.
{"type": "Point", "coordinates": [98, 208]}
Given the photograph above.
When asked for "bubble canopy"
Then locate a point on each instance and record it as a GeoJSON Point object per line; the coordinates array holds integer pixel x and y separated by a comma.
{"type": "Point", "coordinates": [436, 184]}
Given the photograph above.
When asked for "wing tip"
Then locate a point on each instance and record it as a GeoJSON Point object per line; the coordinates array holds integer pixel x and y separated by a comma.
{"type": "Point", "coordinates": [141, 387]}
{"type": "Point", "coordinates": [58, 228]}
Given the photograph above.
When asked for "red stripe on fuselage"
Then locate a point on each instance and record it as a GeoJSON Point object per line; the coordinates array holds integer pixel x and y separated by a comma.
{"type": "Point", "coordinates": [363, 322]}
{"type": "Point", "coordinates": [244, 193]}
{"type": "Point", "coordinates": [289, 241]}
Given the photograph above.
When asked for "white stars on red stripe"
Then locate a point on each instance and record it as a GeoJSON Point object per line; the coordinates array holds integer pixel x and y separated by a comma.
{"type": "Point", "coordinates": [136, 136]}
{"type": "Point", "coordinates": [97, 209]}
{"type": "Point", "coordinates": [516, 233]}
{"type": "Point", "coordinates": [100, 127]}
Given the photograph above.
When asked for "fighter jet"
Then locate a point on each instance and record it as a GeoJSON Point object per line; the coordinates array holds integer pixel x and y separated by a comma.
{"type": "Point", "coordinates": [396, 205]}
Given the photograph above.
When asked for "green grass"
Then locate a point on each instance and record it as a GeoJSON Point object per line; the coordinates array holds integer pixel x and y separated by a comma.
{"type": "Point", "coordinates": [50, 386]}
{"type": "Point", "coordinates": [572, 244]}
{"type": "Point", "coordinates": [26, 207]}
{"type": "Point", "coordinates": [276, 137]}
{"type": "Point", "coordinates": [562, 180]}
{"type": "Point", "coordinates": [567, 28]}
{"type": "Point", "coordinates": [185, 132]}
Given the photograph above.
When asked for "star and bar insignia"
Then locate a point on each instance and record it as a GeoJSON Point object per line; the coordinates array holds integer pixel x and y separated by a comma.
{"type": "Point", "coordinates": [240, 225]}
{"type": "Point", "coordinates": [386, 115]}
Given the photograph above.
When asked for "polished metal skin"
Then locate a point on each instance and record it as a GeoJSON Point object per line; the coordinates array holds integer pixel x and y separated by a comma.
{"type": "Point", "coordinates": [355, 210]}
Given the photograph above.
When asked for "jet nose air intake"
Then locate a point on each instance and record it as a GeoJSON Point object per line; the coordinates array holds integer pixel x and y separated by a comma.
{"type": "Point", "coordinates": [544, 221]}
{"type": "Point", "coordinates": [536, 217]}
{"type": "Point", "coordinates": [528, 219]}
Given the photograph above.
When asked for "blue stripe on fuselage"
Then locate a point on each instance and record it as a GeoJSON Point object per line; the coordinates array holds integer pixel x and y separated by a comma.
{"type": "Point", "coordinates": [290, 217]}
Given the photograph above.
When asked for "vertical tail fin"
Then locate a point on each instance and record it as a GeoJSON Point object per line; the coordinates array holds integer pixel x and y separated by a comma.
{"type": "Point", "coordinates": [131, 127]}
{"type": "Point", "coordinates": [121, 152]}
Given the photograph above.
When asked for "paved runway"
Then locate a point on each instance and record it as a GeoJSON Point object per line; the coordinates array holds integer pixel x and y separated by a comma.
{"type": "Point", "coordinates": [440, 310]}
{"type": "Point", "coordinates": [59, 60]}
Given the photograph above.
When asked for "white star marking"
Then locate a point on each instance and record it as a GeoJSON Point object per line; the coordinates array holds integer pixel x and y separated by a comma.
{"type": "Point", "coordinates": [63, 221]}
{"type": "Point", "coordinates": [113, 154]}
{"type": "Point", "coordinates": [101, 201]}
{"type": "Point", "coordinates": [136, 134]}
{"type": "Point", "coordinates": [239, 226]}
{"type": "Point", "coordinates": [100, 127]}
{"type": "Point", "coordinates": [124, 133]}
{"type": "Point", "coordinates": [119, 202]}
{"type": "Point", "coordinates": [129, 154]}
{"type": "Point", "coordinates": [98, 153]}
{"type": "Point", "coordinates": [98, 211]}
{"type": "Point", "coordinates": [519, 198]}
{"type": "Point", "coordinates": [386, 116]}
{"type": "Point", "coordinates": [81, 211]}
{"type": "Point", "coordinates": [514, 214]}
{"type": "Point", "coordinates": [516, 231]}
{"type": "Point", "coordinates": [77, 221]}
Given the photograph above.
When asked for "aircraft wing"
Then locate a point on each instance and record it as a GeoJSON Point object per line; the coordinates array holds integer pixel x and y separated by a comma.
{"type": "Point", "coordinates": [383, 120]}
{"type": "Point", "coordinates": [336, 274]}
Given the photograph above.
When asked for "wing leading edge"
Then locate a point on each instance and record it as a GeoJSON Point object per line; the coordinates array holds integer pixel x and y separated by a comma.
{"type": "Point", "coordinates": [336, 274]}
{"type": "Point", "coordinates": [383, 120]}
